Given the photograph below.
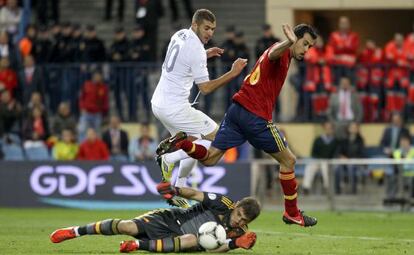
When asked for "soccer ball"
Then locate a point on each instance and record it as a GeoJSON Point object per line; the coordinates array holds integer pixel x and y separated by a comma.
{"type": "Point", "coordinates": [211, 235]}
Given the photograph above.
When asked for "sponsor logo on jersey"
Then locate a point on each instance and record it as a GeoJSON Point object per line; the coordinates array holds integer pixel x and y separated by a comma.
{"type": "Point", "coordinates": [212, 196]}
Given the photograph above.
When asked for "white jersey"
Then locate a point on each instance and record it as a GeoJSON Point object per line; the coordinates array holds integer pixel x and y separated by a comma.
{"type": "Point", "coordinates": [184, 64]}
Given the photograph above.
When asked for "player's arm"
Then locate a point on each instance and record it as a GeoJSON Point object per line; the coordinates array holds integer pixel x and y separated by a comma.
{"type": "Point", "coordinates": [209, 86]}
{"type": "Point", "coordinates": [190, 193]}
{"type": "Point", "coordinates": [168, 191]}
{"type": "Point", "coordinates": [278, 50]}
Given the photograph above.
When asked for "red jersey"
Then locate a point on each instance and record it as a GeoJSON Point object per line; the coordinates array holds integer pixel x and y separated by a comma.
{"type": "Point", "coordinates": [262, 86]}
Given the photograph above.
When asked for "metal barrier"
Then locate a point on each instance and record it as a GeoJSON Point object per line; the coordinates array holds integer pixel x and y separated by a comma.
{"type": "Point", "coordinates": [127, 80]}
{"type": "Point", "coordinates": [400, 198]}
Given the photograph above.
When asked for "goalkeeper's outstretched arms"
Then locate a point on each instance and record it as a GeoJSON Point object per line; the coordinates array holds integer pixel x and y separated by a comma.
{"type": "Point", "coordinates": [168, 191]}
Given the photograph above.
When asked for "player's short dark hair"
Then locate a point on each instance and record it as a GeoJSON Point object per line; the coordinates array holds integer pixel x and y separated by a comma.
{"type": "Point", "coordinates": [301, 29]}
{"type": "Point", "coordinates": [251, 207]}
{"type": "Point", "coordinates": [203, 14]}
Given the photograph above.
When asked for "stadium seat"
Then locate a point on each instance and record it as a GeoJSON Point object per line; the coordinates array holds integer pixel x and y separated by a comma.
{"type": "Point", "coordinates": [12, 152]}
{"type": "Point", "coordinates": [374, 152]}
{"type": "Point", "coordinates": [37, 153]}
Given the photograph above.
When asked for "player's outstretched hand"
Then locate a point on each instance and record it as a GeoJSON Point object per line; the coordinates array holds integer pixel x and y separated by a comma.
{"type": "Point", "coordinates": [166, 190]}
{"type": "Point", "coordinates": [238, 65]}
{"type": "Point", "coordinates": [290, 35]}
{"type": "Point", "coordinates": [214, 52]}
{"type": "Point", "coordinates": [246, 241]}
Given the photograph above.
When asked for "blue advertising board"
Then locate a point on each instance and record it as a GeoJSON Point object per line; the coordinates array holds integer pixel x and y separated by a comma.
{"type": "Point", "coordinates": [107, 185]}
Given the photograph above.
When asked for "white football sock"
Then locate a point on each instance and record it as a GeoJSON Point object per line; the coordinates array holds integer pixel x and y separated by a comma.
{"type": "Point", "coordinates": [76, 229]}
{"type": "Point", "coordinates": [175, 156]}
{"type": "Point", "coordinates": [186, 166]}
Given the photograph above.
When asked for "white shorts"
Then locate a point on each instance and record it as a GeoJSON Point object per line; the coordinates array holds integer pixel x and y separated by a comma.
{"type": "Point", "coordinates": [186, 119]}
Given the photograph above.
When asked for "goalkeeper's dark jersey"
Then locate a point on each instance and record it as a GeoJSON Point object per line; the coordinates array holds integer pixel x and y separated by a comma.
{"type": "Point", "coordinates": [176, 221]}
{"type": "Point", "coordinates": [209, 209]}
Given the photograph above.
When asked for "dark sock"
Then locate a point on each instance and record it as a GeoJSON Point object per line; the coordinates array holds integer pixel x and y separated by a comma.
{"type": "Point", "coordinates": [169, 244]}
{"type": "Point", "coordinates": [105, 227]}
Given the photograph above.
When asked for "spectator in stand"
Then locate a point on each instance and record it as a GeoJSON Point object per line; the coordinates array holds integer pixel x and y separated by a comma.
{"type": "Point", "coordinates": [229, 46]}
{"type": "Point", "coordinates": [116, 139]}
{"type": "Point", "coordinates": [370, 74]}
{"type": "Point", "coordinates": [75, 43]}
{"type": "Point", "coordinates": [345, 44]}
{"type": "Point", "coordinates": [409, 45]}
{"type": "Point", "coordinates": [267, 40]}
{"type": "Point", "coordinates": [392, 134]}
{"type": "Point", "coordinates": [139, 53]}
{"type": "Point", "coordinates": [10, 17]}
{"type": "Point", "coordinates": [139, 50]}
{"type": "Point", "coordinates": [241, 51]}
{"type": "Point", "coordinates": [30, 80]}
{"type": "Point", "coordinates": [409, 49]}
{"type": "Point", "coordinates": [66, 148]}
{"type": "Point", "coordinates": [143, 147]}
{"type": "Point", "coordinates": [45, 7]}
{"type": "Point", "coordinates": [406, 151]}
{"type": "Point", "coordinates": [189, 11]}
{"type": "Point", "coordinates": [324, 147]}
{"type": "Point", "coordinates": [10, 114]}
{"type": "Point", "coordinates": [26, 44]}
{"type": "Point", "coordinates": [7, 49]}
{"type": "Point", "coordinates": [227, 58]}
{"type": "Point", "coordinates": [61, 50]}
{"type": "Point", "coordinates": [213, 74]}
{"type": "Point", "coordinates": [93, 103]}
{"type": "Point", "coordinates": [8, 77]}
{"type": "Point", "coordinates": [120, 46]}
{"type": "Point", "coordinates": [147, 15]}
{"type": "Point", "coordinates": [63, 120]}
{"type": "Point", "coordinates": [119, 52]}
{"type": "Point", "coordinates": [93, 48]}
{"type": "Point", "coordinates": [344, 107]}
{"type": "Point", "coordinates": [397, 75]}
{"type": "Point", "coordinates": [351, 147]}
{"type": "Point", "coordinates": [318, 83]}
{"type": "Point", "coordinates": [35, 129]}
{"type": "Point", "coordinates": [56, 32]}
{"type": "Point", "coordinates": [93, 148]}
{"type": "Point", "coordinates": [120, 10]}
{"type": "Point", "coordinates": [36, 100]}
{"type": "Point", "coordinates": [42, 46]}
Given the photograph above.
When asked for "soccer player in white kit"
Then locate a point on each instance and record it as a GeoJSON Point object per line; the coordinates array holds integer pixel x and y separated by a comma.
{"type": "Point", "coordinates": [186, 63]}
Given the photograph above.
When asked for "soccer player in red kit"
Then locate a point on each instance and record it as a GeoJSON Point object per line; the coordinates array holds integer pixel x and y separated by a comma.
{"type": "Point", "coordinates": [250, 118]}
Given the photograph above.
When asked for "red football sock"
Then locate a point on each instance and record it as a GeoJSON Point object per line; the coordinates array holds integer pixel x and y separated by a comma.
{"type": "Point", "coordinates": [289, 186]}
{"type": "Point", "coordinates": [193, 150]}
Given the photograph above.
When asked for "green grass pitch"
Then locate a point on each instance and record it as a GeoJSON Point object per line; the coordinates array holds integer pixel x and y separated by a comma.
{"type": "Point", "coordinates": [26, 231]}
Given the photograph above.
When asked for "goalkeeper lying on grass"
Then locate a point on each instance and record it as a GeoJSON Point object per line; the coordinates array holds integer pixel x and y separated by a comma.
{"type": "Point", "coordinates": [175, 229]}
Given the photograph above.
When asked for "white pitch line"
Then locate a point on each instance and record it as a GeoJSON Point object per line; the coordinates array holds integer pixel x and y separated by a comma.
{"type": "Point", "coordinates": [334, 236]}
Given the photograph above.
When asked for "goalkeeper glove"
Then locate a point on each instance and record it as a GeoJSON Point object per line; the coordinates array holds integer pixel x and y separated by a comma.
{"type": "Point", "coordinates": [166, 190]}
{"type": "Point", "coordinates": [245, 241]}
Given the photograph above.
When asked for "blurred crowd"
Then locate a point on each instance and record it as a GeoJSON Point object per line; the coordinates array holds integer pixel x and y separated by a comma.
{"type": "Point", "coordinates": [64, 71]}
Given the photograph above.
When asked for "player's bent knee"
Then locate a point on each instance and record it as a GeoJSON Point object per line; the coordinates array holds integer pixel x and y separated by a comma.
{"type": "Point", "coordinates": [214, 155]}
{"type": "Point", "coordinates": [209, 162]}
{"type": "Point", "coordinates": [127, 227]}
{"type": "Point", "coordinates": [292, 160]}
{"type": "Point", "coordinates": [289, 162]}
